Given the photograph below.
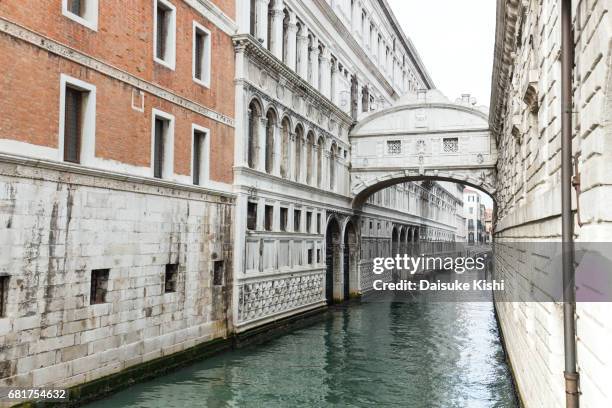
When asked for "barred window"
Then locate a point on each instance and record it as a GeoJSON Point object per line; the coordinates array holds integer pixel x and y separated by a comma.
{"type": "Point", "coordinates": [394, 146]}
{"type": "Point", "coordinates": [170, 278]}
{"type": "Point", "coordinates": [99, 286]}
{"type": "Point", "coordinates": [451, 144]}
{"type": "Point", "coordinates": [4, 288]}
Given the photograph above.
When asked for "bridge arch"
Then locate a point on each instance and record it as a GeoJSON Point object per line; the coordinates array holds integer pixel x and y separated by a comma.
{"type": "Point", "coordinates": [424, 136]}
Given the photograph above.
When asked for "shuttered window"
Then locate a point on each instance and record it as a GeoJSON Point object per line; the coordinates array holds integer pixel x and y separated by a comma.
{"type": "Point", "coordinates": [73, 124]}
{"type": "Point", "coordinates": [198, 156]}
{"type": "Point", "coordinates": [158, 152]}
{"type": "Point", "coordinates": [162, 31]}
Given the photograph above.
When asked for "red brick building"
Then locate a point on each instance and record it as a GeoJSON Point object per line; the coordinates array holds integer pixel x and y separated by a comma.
{"type": "Point", "coordinates": [116, 171]}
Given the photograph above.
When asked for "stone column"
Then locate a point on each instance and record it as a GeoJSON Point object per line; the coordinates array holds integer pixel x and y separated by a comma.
{"type": "Point", "coordinates": [276, 42]}
{"type": "Point", "coordinates": [302, 50]}
{"type": "Point", "coordinates": [325, 85]}
{"type": "Point", "coordinates": [291, 156]}
{"type": "Point", "coordinates": [261, 148]}
{"type": "Point", "coordinates": [261, 21]}
{"type": "Point", "coordinates": [291, 46]}
{"type": "Point", "coordinates": [325, 179]}
{"type": "Point", "coordinates": [278, 153]}
{"type": "Point", "coordinates": [314, 63]}
{"type": "Point", "coordinates": [355, 17]}
{"type": "Point", "coordinates": [334, 91]}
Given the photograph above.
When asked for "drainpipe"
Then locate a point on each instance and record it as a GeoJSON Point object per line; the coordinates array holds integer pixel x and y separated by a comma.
{"type": "Point", "coordinates": [567, 218]}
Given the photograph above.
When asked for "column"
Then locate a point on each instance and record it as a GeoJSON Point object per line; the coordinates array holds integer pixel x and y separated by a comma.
{"type": "Point", "coordinates": [303, 159]}
{"type": "Point", "coordinates": [325, 179]}
{"type": "Point", "coordinates": [278, 153]}
{"type": "Point", "coordinates": [325, 85]}
{"type": "Point", "coordinates": [291, 46]}
{"type": "Point", "coordinates": [276, 42]}
{"type": "Point", "coordinates": [355, 17]}
{"type": "Point", "coordinates": [359, 92]}
{"type": "Point", "coordinates": [291, 164]}
{"type": "Point", "coordinates": [261, 148]}
{"type": "Point", "coordinates": [302, 51]}
{"type": "Point", "coordinates": [261, 21]}
{"type": "Point", "coordinates": [334, 91]}
{"type": "Point", "coordinates": [314, 63]}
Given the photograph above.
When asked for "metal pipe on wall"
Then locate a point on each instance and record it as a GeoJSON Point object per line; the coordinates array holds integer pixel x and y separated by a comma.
{"type": "Point", "coordinates": [567, 217]}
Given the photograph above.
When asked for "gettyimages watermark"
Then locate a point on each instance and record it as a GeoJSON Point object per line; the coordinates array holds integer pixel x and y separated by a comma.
{"type": "Point", "coordinates": [504, 272]}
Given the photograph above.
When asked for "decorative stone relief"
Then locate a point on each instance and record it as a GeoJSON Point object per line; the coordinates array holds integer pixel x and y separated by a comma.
{"type": "Point", "coordinates": [257, 300]}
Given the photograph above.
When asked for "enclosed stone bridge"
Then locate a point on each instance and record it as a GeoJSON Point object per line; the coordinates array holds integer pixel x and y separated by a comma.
{"type": "Point", "coordinates": [423, 136]}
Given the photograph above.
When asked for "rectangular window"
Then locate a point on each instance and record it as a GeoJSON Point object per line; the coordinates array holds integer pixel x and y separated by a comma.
{"type": "Point", "coordinates": [308, 221]}
{"type": "Point", "coordinates": [318, 256]}
{"type": "Point", "coordinates": [283, 219]}
{"type": "Point", "coordinates": [170, 278]}
{"type": "Point", "coordinates": [394, 147]}
{"type": "Point", "coordinates": [201, 55]}
{"type": "Point", "coordinates": [450, 144]}
{"type": "Point", "coordinates": [309, 256]}
{"type": "Point", "coordinates": [73, 117]}
{"type": "Point", "coordinates": [200, 156]}
{"type": "Point", "coordinates": [4, 287]}
{"type": "Point", "coordinates": [297, 220]}
{"type": "Point", "coordinates": [268, 217]}
{"type": "Point", "coordinates": [77, 120]}
{"type": "Point", "coordinates": [99, 286]}
{"type": "Point", "coordinates": [218, 273]}
{"type": "Point", "coordinates": [163, 144]}
{"type": "Point", "coordinates": [318, 223]}
{"type": "Point", "coordinates": [84, 12]}
{"type": "Point", "coordinates": [164, 38]}
{"type": "Point", "coordinates": [252, 216]}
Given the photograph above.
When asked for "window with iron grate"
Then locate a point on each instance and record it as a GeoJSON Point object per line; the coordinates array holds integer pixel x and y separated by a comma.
{"type": "Point", "coordinates": [394, 147]}
{"type": "Point", "coordinates": [450, 144]}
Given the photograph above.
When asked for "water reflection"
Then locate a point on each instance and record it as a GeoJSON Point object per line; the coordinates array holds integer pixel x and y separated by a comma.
{"type": "Point", "coordinates": [416, 354]}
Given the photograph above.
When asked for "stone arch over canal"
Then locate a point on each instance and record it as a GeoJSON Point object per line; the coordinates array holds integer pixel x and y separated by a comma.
{"type": "Point", "coordinates": [423, 136]}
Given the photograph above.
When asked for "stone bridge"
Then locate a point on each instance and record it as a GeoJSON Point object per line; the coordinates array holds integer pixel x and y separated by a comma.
{"type": "Point", "coordinates": [423, 136]}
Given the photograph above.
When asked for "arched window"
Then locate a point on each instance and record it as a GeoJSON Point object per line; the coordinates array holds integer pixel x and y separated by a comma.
{"type": "Point", "coordinates": [309, 77]}
{"type": "Point", "coordinates": [270, 130]}
{"type": "Point", "coordinates": [253, 134]}
{"type": "Point", "coordinates": [299, 137]}
{"type": "Point", "coordinates": [309, 151]}
{"type": "Point", "coordinates": [332, 167]}
{"type": "Point", "coordinates": [320, 69]}
{"type": "Point", "coordinates": [320, 147]}
{"type": "Point", "coordinates": [284, 164]}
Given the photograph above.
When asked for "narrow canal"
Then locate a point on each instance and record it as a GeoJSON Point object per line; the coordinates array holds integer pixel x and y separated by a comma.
{"type": "Point", "coordinates": [420, 354]}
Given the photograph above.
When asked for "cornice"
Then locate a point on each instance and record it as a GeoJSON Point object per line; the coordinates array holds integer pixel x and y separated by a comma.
{"type": "Point", "coordinates": [213, 13]}
{"type": "Point", "coordinates": [252, 48]}
{"type": "Point", "coordinates": [505, 45]}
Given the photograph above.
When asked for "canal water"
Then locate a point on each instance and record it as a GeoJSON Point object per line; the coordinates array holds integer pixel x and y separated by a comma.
{"type": "Point", "coordinates": [420, 354]}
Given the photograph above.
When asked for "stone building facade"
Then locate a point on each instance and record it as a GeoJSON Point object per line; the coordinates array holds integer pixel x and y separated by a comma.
{"type": "Point", "coordinates": [526, 120]}
{"type": "Point", "coordinates": [116, 203]}
{"type": "Point", "coordinates": [306, 71]}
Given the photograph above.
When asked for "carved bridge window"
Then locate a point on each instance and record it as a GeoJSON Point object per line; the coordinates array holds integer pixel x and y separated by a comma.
{"type": "Point", "coordinates": [451, 145]}
{"type": "Point", "coordinates": [394, 147]}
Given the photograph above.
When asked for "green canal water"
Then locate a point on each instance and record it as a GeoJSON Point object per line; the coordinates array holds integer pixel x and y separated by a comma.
{"type": "Point", "coordinates": [420, 354]}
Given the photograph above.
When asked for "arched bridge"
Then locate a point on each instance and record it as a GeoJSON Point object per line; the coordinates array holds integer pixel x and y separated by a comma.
{"type": "Point", "coordinates": [423, 136]}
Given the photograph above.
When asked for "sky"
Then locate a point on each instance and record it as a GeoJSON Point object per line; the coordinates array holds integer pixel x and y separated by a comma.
{"type": "Point", "coordinates": [455, 40]}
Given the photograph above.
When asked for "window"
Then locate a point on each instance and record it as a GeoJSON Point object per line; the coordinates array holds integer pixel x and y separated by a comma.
{"type": "Point", "coordinates": [283, 219]}
{"type": "Point", "coordinates": [318, 256]}
{"type": "Point", "coordinates": [268, 217]}
{"type": "Point", "coordinates": [99, 286]}
{"type": "Point", "coordinates": [77, 120]}
{"type": "Point", "coordinates": [297, 215]}
{"type": "Point", "coordinates": [201, 55]}
{"type": "Point", "coordinates": [84, 12]}
{"type": "Point", "coordinates": [4, 287]}
{"type": "Point", "coordinates": [170, 278]}
{"type": "Point", "coordinates": [164, 39]}
{"type": "Point", "coordinates": [308, 221]}
{"type": "Point", "coordinates": [394, 147]}
{"type": "Point", "coordinates": [218, 273]}
{"type": "Point", "coordinates": [200, 149]}
{"type": "Point", "coordinates": [252, 216]}
{"type": "Point", "coordinates": [162, 144]}
{"type": "Point", "coordinates": [318, 223]}
{"type": "Point", "coordinates": [309, 256]}
{"type": "Point", "coordinates": [451, 144]}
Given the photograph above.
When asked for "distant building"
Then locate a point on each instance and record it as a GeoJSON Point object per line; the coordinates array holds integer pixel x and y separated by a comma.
{"type": "Point", "coordinates": [474, 216]}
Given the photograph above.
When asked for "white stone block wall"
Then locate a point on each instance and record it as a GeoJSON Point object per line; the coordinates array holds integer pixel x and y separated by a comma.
{"type": "Point", "coordinates": [529, 191]}
{"type": "Point", "coordinates": [57, 226]}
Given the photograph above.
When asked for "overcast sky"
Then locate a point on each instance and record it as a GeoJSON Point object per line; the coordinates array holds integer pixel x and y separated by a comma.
{"type": "Point", "coordinates": [455, 41]}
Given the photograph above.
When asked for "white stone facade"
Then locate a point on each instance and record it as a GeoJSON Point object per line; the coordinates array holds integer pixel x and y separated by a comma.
{"type": "Point", "coordinates": [526, 119]}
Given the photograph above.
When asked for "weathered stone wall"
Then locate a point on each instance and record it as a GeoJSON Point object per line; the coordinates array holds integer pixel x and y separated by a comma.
{"type": "Point", "coordinates": [56, 226]}
{"type": "Point", "coordinates": [527, 119]}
